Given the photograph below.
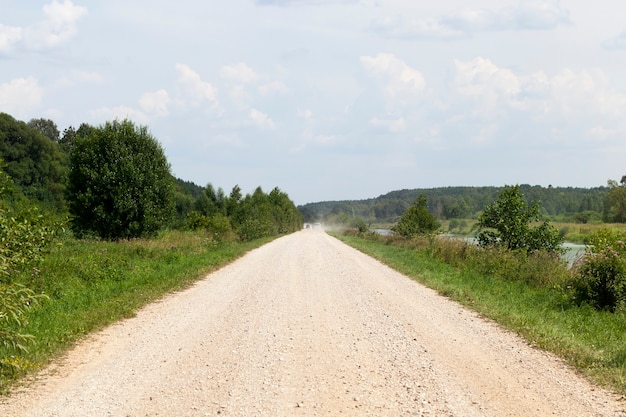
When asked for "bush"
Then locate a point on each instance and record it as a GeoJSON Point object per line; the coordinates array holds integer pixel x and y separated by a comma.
{"type": "Point", "coordinates": [599, 278]}
{"type": "Point", "coordinates": [360, 225]}
{"type": "Point", "coordinates": [417, 220]}
{"type": "Point", "coordinates": [508, 225]}
{"type": "Point", "coordinates": [120, 185]}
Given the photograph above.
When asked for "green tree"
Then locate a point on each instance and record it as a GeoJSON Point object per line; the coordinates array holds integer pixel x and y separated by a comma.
{"type": "Point", "coordinates": [233, 201]}
{"type": "Point", "coordinates": [417, 220]}
{"type": "Point", "coordinates": [70, 134]}
{"type": "Point", "coordinates": [120, 185]}
{"type": "Point", "coordinates": [253, 217]}
{"type": "Point", "coordinates": [615, 202]}
{"type": "Point", "coordinates": [508, 221]}
{"type": "Point", "coordinates": [46, 127]}
{"type": "Point", "coordinates": [34, 162]}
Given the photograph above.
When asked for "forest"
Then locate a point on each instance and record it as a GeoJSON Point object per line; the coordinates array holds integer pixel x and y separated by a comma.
{"type": "Point", "coordinates": [578, 205]}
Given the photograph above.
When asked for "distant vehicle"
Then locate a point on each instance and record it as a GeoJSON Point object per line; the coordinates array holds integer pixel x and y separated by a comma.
{"type": "Point", "coordinates": [317, 225]}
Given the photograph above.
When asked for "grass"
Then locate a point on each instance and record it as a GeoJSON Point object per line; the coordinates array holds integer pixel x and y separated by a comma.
{"type": "Point", "coordinates": [91, 284]}
{"type": "Point", "coordinates": [594, 342]}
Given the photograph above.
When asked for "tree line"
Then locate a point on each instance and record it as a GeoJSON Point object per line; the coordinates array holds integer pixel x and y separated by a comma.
{"type": "Point", "coordinates": [574, 204]}
{"type": "Point", "coordinates": [113, 181]}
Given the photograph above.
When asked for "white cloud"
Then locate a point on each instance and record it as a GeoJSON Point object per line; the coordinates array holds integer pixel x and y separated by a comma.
{"type": "Point", "coordinates": [567, 94]}
{"type": "Point", "coordinates": [392, 125]}
{"type": "Point", "coordinates": [60, 23]}
{"type": "Point", "coordinates": [585, 93]}
{"type": "Point", "coordinates": [273, 87]}
{"type": "Point", "coordinates": [302, 2]}
{"type": "Point", "coordinates": [527, 15]}
{"type": "Point", "coordinates": [534, 14]}
{"type": "Point", "coordinates": [9, 36]}
{"type": "Point", "coordinates": [402, 83]}
{"type": "Point", "coordinates": [193, 91]}
{"type": "Point", "coordinates": [400, 27]}
{"type": "Point", "coordinates": [240, 96]}
{"type": "Point", "coordinates": [155, 103]}
{"type": "Point", "coordinates": [488, 84]}
{"type": "Point", "coordinates": [58, 26]}
{"type": "Point", "coordinates": [261, 120]}
{"type": "Point", "coordinates": [20, 96]}
{"type": "Point", "coordinates": [240, 73]}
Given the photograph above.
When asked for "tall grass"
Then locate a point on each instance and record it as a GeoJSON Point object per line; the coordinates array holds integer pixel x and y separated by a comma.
{"type": "Point", "coordinates": [91, 284]}
{"type": "Point", "coordinates": [529, 295]}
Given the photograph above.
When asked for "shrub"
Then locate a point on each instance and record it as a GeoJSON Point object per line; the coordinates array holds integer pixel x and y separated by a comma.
{"type": "Point", "coordinates": [360, 225]}
{"type": "Point", "coordinates": [119, 184]}
{"type": "Point", "coordinates": [508, 225]}
{"type": "Point", "coordinates": [599, 278]}
{"type": "Point", "coordinates": [417, 220]}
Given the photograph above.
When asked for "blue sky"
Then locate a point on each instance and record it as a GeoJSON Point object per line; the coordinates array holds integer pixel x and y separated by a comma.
{"type": "Point", "coordinates": [335, 99]}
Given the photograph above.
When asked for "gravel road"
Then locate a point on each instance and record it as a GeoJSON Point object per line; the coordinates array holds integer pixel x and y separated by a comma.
{"type": "Point", "coordinates": [307, 326]}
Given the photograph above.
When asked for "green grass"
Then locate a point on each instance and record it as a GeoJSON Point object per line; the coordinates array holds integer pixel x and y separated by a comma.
{"type": "Point", "coordinates": [592, 341]}
{"type": "Point", "coordinates": [91, 284]}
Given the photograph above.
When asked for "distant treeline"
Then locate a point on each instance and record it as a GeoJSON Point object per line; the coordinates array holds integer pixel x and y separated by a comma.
{"type": "Point", "coordinates": [558, 203]}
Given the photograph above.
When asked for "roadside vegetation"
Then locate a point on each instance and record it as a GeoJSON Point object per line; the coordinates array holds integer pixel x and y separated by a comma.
{"type": "Point", "coordinates": [84, 285]}
{"type": "Point", "coordinates": [516, 276]}
{"type": "Point", "coordinates": [93, 226]}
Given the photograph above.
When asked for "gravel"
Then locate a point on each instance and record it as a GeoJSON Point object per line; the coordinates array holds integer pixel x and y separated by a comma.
{"type": "Point", "coordinates": [307, 326]}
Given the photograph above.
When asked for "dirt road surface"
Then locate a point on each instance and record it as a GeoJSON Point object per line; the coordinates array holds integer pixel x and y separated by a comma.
{"type": "Point", "coordinates": [306, 326]}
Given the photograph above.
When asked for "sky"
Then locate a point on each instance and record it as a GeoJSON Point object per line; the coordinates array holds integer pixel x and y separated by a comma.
{"type": "Point", "coordinates": [335, 99]}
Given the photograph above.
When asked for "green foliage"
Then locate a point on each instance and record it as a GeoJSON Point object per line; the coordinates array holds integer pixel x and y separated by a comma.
{"type": "Point", "coordinates": [417, 220]}
{"type": "Point", "coordinates": [33, 161]}
{"type": "Point", "coordinates": [218, 226]}
{"type": "Point", "coordinates": [120, 185]}
{"type": "Point", "coordinates": [615, 202]}
{"type": "Point", "coordinates": [15, 301]}
{"type": "Point", "coordinates": [261, 215]}
{"type": "Point", "coordinates": [24, 233]}
{"type": "Point", "coordinates": [509, 219]}
{"type": "Point", "coordinates": [46, 127]}
{"type": "Point", "coordinates": [459, 202]}
{"type": "Point", "coordinates": [360, 225]}
{"type": "Point", "coordinates": [70, 134]}
{"type": "Point", "coordinates": [599, 278]}
{"type": "Point", "coordinates": [93, 283]}
{"type": "Point", "coordinates": [23, 239]}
